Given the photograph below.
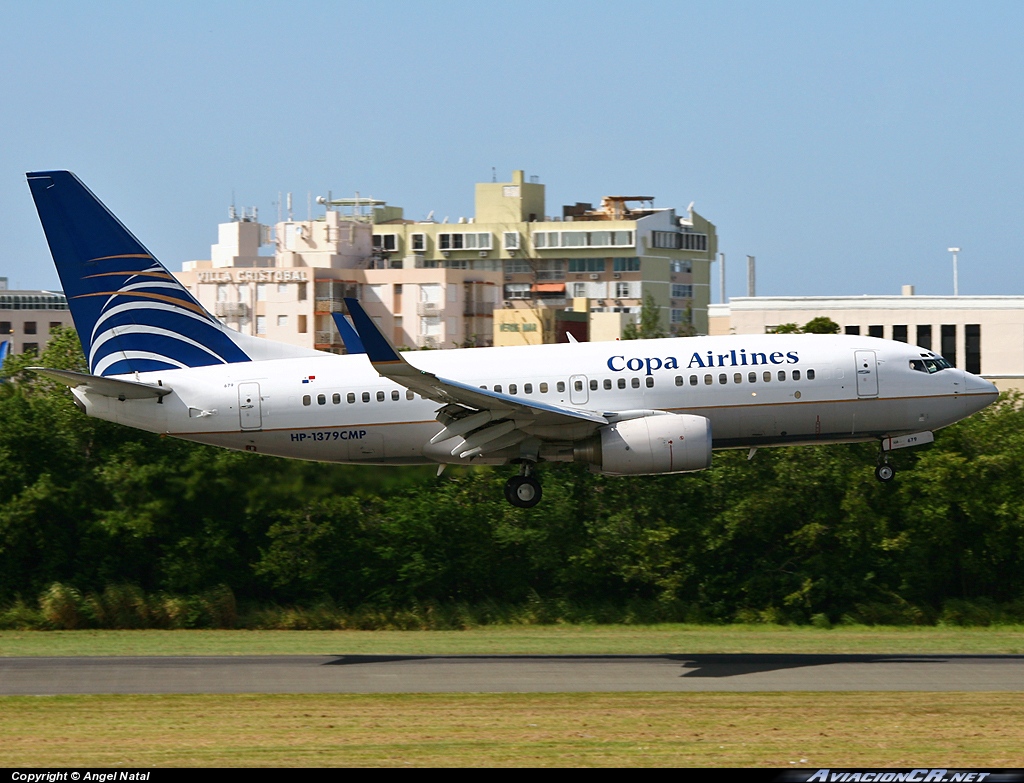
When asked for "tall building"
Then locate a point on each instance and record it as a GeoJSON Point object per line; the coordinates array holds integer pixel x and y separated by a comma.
{"type": "Point", "coordinates": [28, 317]}
{"type": "Point", "coordinates": [507, 275]}
{"type": "Point", "coordinates": [605, 261]}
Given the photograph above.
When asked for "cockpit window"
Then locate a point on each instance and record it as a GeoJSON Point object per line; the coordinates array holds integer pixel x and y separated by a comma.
{"type": "Point", "coordinates": [930, 364]}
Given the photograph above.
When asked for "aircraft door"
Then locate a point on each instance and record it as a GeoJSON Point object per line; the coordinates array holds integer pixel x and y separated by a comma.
{"type": "Point", "coordinates": [867, 373]}
{"type": "Point", "coordinates": [250, 411]}
{"type": "Point", "coordinates": [578, 392]}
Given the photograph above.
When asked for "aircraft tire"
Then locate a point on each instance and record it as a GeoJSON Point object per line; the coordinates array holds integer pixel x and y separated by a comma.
{"type": "Point", "coordinates": [523, 491]}
{"type": "Point", "coordinates": [885, 472]}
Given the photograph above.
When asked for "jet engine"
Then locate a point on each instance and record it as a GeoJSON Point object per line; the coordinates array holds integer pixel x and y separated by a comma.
{"type": "Point", "coordinates": [666, 443]}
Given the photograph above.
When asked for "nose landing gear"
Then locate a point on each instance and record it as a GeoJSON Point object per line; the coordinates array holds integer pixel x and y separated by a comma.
{"type": "Point", "coordinates": [523, 491]}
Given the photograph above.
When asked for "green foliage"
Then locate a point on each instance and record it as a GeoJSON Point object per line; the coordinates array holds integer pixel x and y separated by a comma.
{"type": "Point", "coordinates": [821, 325]}
{"type": "Point", "coordinates": [789, 328]}
{"type": "Point", "coordinates": [649, 325]}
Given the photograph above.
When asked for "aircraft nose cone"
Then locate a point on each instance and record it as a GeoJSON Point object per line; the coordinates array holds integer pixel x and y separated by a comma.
{"type": "Point", "coordinates": [975, 384]}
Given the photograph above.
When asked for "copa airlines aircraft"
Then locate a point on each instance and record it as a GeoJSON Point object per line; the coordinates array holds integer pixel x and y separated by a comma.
{"type": "Point", "coordinates": [160, 362]}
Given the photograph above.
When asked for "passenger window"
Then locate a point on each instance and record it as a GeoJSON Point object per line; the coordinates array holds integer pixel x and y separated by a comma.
{"type": "Point", "coordinates": [497, 388]}
{"type": "Point", "coordinates": [607, 383]}
{"type": "Point", "coordinates": [593, 386]}
{"type": "Point", "coordinates": [543, 388]}
{"type": "Point", "coordinates": [635, 383]}
{"type": "Point", "coordinates": [366, 396]}
{"type": "Point", "coordinates": [409, 395]}
{"type": "Point", "coordinates": [321, 399]}
{"type": "Point", "coordinates": [307, 400]}
{"type": "Point", "coordinates": [693, 380]}
{"type": "Point", "coordinates": [380, 396]}
{"type": "Point", "coordinates": [527, 388]}
{"type": "Point", "coordinates": [810, 375]}
{"type": "Point", "coordinates": [752, 377]}
{"type": "Point", "coordinates": [513, 388]}
{"type": "Point", "coordinates": [560, 386]}
{"type": "Point", "coordinates": [796, 375]}
{"type": "Point", "coordinates": [723, 379]}
{"type": "Point", "coordinates": [767, 376]}
{"type": "Point", "coordinates": [351, 397]}
{"type": "Point", "coordinates": [336, 399]}
{"type": "Point", "coordinates": [395, 395]}
{"type": "Point", "coordinates": [679, 380]}
{"type": "Point", "coordinates": [782, 375]}
{"type": "Point", "coordinates": [578, 385]}
{"type": "Point", "coordinates": [708, 380]}
{"type": "Point", "coordinates": [650, 381]}
{"type": "Point", "coordinates": [622, 383]}
{"type": "Point", "coordinates": [737, 377]}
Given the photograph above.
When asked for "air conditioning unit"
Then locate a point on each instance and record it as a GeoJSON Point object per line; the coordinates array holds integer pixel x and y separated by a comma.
{"type": "Point", "coordinates": [508, 278]}
{"type": "Point", "coordinates": [594, 276]}
{"type": "Point", "coordinates": [617, 275]}
{"type": "Point", "coordinates": [446, 254]}
{"type": "Point", "coordinates": [483, 254]}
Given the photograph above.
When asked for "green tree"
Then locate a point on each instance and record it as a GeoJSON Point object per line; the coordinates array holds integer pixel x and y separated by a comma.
{"type": "Point", "coordinates": [649, 326]}
{"type": "Point", "coordinates": [787, 329]}
{"type": "Point", "coordinates": [821, 325]}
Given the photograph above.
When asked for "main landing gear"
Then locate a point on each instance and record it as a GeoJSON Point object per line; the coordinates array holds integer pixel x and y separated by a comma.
{"type": "Point", "coordinates": [523, 491]}
{"type": "Point", "coordinates": [884, 472]}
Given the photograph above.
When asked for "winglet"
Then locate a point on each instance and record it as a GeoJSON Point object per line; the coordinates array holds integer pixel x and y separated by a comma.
{"type": "Point", "coordinates": [349, 336]}
{"type": "Point", "coordinates": [375, 344]}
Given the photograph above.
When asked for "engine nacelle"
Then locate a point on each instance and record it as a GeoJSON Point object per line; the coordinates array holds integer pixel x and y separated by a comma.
{"type": "Point", "coordinates": [669, 443]}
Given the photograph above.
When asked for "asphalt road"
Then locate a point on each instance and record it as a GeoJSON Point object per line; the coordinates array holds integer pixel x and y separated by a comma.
{"type": "Point", "coordinates": [509, 673]}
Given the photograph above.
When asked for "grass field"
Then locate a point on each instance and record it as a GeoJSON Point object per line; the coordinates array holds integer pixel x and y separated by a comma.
{"type": "Point", "coordinates": [535, 639]}
{"type": "Point", "coordinates": [587, 729]}
{"type": "Point", "coordinates": [644, 729]}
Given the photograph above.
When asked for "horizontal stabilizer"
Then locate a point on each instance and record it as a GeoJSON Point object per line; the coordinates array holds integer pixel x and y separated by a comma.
{"type": "Point", "coordinates": [106, 387]}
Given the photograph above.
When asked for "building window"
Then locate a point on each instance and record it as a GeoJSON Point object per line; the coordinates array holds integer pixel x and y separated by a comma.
{"type": "Point", "coordinates": [586, 265]}
{"type": "Point", "coordinates": [543, 240]}
{"type": "Point", "coordinates": [5, 327]}
{"type": "Point", "coordinates": [30, 327]}
{"type": "Point", "coordinates": [430, 326]}
{"type": "Point", "coordinates": [282, 288]}
{"type": "Point", "coordinates": [677, 240]}
{"type": "Point", "coordinates": [852, 329]}
{"type": "Point", "coordinates": [875, 330]}
{"type": "Point", "coordinates": [282, 320]}
{"type": "Point", "coordinates": [261, 292]}
{"type": "Point", "coordinates": [511, 240]}
{"type": "Point", "coordinates": [385, 243]}
{"type": "Point", "coordinates": [517, 291]}
{"type": "Point", "coordinates": [899, 333]}
{"type": "Point", "coordinates": [682, 291]}
{"type": "Point", "coordinates": [626, 265]}
{"type": "Point", "coordinates": [466, 241]}
{"type": "Point", "coordinates": [261, 324]}
{"type": "Point", "coordinates": [302, 292]}
{"type": "Point", "coordinates": [550, 269]}
{"type": "Point", "coordinates": [301, 324]}
{"type": "Point", "coordinates": [419, 243]}
{"type": "Point", "coordinates": [622, 290]}
{"type": "Point", "coordinates": [924, 336]}
{"type": "Point", "coordinates": [677, 315]}
{"type": "Point", "coordinates": [972, 346]}
{"type": "Point", "coordinates": [30, 348]}
{"type": "Point", "coordinates": [949, 343]}
{"type": "Point", "coordinates": [222, 292]}
{"type": "Point", "coordinates": [517, 266]}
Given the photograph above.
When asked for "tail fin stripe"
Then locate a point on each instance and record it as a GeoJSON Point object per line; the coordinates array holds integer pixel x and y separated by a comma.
{"type": "Point", "coordinates": [134, 361]}
{"type": "Point", "coordinates": [141, 295]}
{"type": "Point", "coordinates": [120, 331]}
{"type": "Point", "coordinates": [123, 255]}
{"type": "Point", "coordinates": [163, 275]}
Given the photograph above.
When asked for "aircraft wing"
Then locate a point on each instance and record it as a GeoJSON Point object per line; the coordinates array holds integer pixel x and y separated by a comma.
{"type": "Point", "coordinates": [393, 365]}
{"type": "Point", "coordinates": [106, 387]}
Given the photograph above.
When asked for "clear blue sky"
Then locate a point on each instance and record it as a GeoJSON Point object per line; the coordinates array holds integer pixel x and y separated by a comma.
{"type": "Point", "coordinates": [845, 145]}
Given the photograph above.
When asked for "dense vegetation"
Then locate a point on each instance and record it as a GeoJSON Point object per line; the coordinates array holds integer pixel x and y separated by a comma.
{"type": "Point", "coordinates": [95, 517]}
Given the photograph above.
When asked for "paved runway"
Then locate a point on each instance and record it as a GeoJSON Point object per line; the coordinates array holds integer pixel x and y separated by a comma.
{"type": "Point", "coordinates": [510, 673]}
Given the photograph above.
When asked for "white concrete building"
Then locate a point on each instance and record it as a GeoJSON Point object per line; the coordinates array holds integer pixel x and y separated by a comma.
{"type": "Point", "coordinates": [980, 334]}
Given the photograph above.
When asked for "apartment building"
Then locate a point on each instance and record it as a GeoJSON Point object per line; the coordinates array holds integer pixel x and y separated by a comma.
{"type": "Point", "coordinates": [28, 317]}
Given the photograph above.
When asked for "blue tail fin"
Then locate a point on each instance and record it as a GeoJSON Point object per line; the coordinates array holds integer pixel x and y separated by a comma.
{"type": "Point", "coordinates": [131, 314]}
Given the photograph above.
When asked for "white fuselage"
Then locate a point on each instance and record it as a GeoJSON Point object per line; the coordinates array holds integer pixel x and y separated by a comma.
{"type": "Point", "coordinates": [755, 390]}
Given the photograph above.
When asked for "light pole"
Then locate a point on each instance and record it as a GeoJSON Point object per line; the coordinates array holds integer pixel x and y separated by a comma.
{"type": "Point", "coordinates": [956, 283]}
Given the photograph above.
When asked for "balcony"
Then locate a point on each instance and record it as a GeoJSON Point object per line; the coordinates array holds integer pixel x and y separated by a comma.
{"type": "Point", "coordinates": [231, 310]}
{"type": "Point", "coordinates": [485, 309]}
{"type": "Point", "coordinates": [428, 308]}
{"type": "Point", "coordinates": [327, 337]}
{"type": "Point", "coordinates": [329, 305]}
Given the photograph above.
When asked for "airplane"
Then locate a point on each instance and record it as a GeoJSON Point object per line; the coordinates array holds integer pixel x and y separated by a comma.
{"type": "Point", "coordinates": [160, 362]}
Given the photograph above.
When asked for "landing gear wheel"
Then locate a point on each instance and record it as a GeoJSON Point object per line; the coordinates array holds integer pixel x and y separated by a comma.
{"type": "Point", "coordinates": [523, 491]}
{"type": "Point", "coordinates": [885, 472]}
